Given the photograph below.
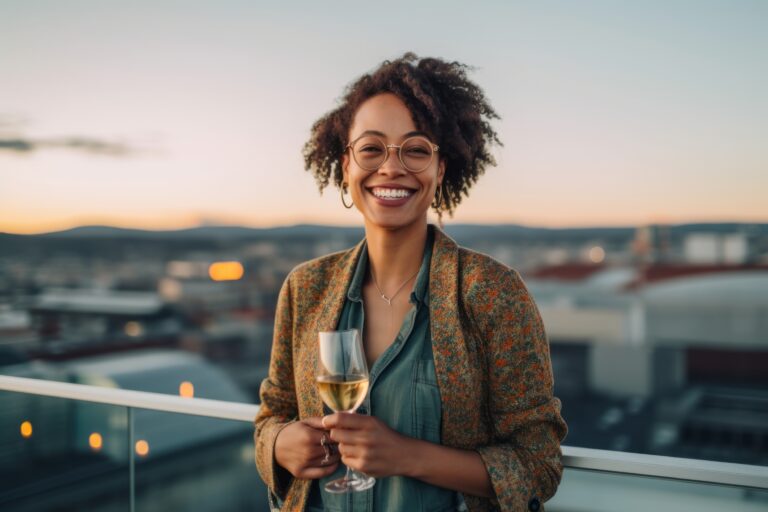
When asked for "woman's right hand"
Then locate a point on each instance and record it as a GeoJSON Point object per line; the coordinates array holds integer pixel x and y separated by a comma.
{"type": "Point", "coordinates": [298, 449]}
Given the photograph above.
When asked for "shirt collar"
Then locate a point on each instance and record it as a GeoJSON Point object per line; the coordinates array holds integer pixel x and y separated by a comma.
{"type": "Point", "coordinates": [356, 286]}
{"type": "Point", "coordinates": [420, 293]}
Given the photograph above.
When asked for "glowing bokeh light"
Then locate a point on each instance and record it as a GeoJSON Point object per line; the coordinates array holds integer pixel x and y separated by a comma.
{"type": "Point", "coordinates": [142, 448]}
{"type": "Point", "coordinates": [226, 271]}
{"type": "Point", "coordinates": [95, 441]}
{"type": "Point", "coordinates": [186, 389]}
{"type": "Point", "coordinates": [26, 429]}
{"type": "Point", "coordinates": [133, 329]}
{"type": "Point", "coordinates": [597, 254]}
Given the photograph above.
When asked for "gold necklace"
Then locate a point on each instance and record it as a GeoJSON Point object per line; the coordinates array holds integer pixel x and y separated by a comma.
{"type": "Point", "coordinates": [386, 299]}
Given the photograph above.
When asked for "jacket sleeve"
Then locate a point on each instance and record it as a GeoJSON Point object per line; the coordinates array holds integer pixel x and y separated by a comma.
{"type": "Point", "coordinates": [278, 397]}
{"type": "Point", "coordinates": [524, 458]}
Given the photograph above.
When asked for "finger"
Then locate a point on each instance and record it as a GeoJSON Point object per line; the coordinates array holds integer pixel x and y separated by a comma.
{"type": "Point", "coordinates": [346, 420]}
{"type": "Point", "coordinates": [348, 451]}
{"type": "Point", "coordinates": [348, 436]}
{"type": "Point", "coordinates": [321, 462]}
{"type": "Point", "coordinates": [318, 472]}
{"type": "Point", "coordinates": [312, 436]}
{"type": "Point", "coordinates": [315, 422]}
{"type": "Point", "coordinates": [351, 461]}
{"type": "Point", "coordinates": [329, 421]}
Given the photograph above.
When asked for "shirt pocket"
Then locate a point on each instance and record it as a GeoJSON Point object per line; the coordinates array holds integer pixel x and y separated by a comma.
{"type": "Point", "coordinates": [426, 407]}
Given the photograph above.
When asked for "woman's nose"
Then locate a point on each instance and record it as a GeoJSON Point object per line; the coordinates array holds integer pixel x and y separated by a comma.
{"type": "Point", "coordinates": [392, 165]}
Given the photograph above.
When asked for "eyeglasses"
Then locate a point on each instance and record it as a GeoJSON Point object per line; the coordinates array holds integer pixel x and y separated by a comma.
{"type": "Point", "coordinates": [415, 153]}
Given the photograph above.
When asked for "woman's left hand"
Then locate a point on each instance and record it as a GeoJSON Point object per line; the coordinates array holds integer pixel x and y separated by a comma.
{"type": "Point", "coordinates": [368, 445]}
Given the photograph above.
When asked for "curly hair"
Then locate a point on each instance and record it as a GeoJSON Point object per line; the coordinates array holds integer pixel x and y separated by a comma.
{"type": "Point", "coordinates": [444, 103]}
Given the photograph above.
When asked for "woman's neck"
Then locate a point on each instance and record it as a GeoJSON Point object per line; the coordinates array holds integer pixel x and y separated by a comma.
{"type": "Point", "coordinates": [395, 255]}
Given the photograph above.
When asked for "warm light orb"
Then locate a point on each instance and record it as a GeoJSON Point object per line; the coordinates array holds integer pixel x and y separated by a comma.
{"type": "Point", "coordinates": [133, 329]}
{"type": "Point", "coordinates": [597, 254]}
{"type": "Point", "coordinates": [142, 448]}
{"type": "Point", "coordinates": [226, 271]}
{"type": "Point", "coordinates": [95, 441]}
{"type": "Point", "coordinates": [26, 429]}
{"type": "Point", "coordinates": [186, 389]}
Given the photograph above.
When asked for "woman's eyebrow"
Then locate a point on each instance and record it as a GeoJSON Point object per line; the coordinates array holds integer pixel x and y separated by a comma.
{"type": "Point", "coordinates": [373, 132]}
{"type": "Point", "coordinates": [384, 136]}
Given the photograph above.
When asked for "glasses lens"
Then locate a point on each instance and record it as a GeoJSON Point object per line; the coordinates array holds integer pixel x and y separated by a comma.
{"type": "Point", "coordinates": [416, 154]}
{"type": "Point", "coordinates": [369, 153]}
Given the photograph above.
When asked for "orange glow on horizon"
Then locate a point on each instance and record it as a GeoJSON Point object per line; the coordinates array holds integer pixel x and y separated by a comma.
{"type": "Point", "coordinates": [34, 226]}
{"type": "Point", "coordinates": [21, 223]}
{"type": "Point", "coordinates": [226, 271]}
{"type": "Point", "coordinates": [26, 430]}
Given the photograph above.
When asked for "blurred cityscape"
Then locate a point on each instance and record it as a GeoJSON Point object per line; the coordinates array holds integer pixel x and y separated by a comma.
{"type": "Point", "coordinates": [659, 341]}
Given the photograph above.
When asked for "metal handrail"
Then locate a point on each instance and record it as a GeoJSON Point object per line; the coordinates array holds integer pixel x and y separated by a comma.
{"type": "Point", "coordinates": [672, 468]}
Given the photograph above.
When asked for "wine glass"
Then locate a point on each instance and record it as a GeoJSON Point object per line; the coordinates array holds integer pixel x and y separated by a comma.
{"type": "Point", "coordinates": [342, 380]}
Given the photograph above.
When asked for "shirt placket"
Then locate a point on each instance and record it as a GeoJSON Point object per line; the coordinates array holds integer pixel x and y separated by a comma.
{"type": "Point", "coordinates": [364, 500]}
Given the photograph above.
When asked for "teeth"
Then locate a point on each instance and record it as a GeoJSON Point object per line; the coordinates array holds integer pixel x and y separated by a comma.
{"type": "Point", "coordinates": [391, 193]}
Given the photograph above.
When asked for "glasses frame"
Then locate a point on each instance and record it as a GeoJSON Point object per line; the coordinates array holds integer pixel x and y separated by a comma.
{"type": "Point", "coordinates": [435, 148]}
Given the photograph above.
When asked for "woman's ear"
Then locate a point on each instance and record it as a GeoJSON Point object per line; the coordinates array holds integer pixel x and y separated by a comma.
{"type": "Point", "coordinates": [441, 170]}
{"type": "Point", "coordinates": [345, 167]}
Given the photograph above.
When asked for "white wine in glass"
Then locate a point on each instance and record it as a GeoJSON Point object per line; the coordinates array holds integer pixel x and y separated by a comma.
{"type": "Point", "coordinates": [342, 381]}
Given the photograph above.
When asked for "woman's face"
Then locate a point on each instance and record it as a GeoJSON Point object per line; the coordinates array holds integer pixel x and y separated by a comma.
{"type": "Point", "coordinates": [390, 197]}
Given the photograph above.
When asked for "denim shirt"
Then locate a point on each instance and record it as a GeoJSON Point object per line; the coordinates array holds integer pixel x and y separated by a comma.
{"type": "Point", "coordinates": [403, 394]}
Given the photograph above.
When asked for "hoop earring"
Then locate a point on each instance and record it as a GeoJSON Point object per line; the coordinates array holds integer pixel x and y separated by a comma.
{"type": "Point", "coordinates": [437, 203]}
{"type": "Point", "coordinates": [343, 188]}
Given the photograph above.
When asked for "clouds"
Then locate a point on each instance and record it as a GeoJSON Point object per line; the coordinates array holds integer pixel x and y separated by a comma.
{"type": "Point", "coordinates": [12, 142]}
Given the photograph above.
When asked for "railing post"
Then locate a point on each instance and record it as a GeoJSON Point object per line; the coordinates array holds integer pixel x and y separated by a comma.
{"type": "Point", "coordinates": [131, 462]}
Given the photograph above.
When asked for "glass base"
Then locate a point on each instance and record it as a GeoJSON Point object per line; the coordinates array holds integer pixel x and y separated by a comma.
{"type": "Point", "coordinates": [357, 482]}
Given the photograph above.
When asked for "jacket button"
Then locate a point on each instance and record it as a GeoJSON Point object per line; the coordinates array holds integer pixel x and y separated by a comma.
{"type": "Point", "coordinates": [534, 505]}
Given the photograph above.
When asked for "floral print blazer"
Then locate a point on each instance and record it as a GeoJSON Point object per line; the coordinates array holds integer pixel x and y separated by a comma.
{"type": "Point", "coordinates": [491, 359]}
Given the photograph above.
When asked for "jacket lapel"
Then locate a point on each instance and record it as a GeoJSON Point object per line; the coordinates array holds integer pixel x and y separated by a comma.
{"type": "Point", "coordinates": [449, 346]}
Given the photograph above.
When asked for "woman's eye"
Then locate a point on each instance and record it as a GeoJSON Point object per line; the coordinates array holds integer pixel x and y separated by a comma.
{"type": "Point", "coordinates": [370, 149]}
{"type": "Point", "coordinates": [418, 151]}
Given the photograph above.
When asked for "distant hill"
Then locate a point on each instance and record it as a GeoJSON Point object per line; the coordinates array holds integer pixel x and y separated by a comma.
{"type": "Point", "coordinates": [315, 230]}
{"type": "Point", "coordinates": [218, 232]}
{"type": "Point", "coordinates": [94, 240]}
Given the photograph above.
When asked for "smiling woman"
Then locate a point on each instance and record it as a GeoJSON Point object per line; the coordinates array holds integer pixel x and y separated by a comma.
{"type": "Point", "coordinates": [390, 192]}
{"type": "Point", "coordinates": [460, 412]}
{"type": "Point", "coordinates": [440, 100]}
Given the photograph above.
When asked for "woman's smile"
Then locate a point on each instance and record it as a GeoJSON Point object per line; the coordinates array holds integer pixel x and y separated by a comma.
{"type": "Point", "coordinates": [391, 195]}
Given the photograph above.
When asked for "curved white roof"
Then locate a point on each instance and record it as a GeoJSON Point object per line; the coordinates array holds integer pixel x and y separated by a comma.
{"type": "Point", "coordinates": [100, 301]}
{"type": "Point", "coordinates": [743, 288]}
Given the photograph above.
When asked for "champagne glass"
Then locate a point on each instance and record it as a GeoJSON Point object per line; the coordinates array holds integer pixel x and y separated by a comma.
{"type": "Point", "coordinates": [342, 380]}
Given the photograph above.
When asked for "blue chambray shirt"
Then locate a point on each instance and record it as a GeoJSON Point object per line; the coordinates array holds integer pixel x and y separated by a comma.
{"type": "Point", "coordinates": [403, 394]}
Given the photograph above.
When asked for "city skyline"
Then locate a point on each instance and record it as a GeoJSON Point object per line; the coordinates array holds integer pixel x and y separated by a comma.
{"type": "Point", "coordinates": [156, 117]}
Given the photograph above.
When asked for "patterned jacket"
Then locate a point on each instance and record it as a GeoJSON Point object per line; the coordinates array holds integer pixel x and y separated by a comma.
{"type": "Point", "coordinates": [491, 359]}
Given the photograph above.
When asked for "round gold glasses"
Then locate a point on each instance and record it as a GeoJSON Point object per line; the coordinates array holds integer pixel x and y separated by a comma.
{"type": "Point", "coordinates": [415, 153]}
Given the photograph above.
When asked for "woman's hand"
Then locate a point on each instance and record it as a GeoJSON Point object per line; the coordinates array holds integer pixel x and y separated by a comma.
{"type": "Point", "coordinates": [298, 450]}
{"type": "Point", "coordinates": [368, 445]}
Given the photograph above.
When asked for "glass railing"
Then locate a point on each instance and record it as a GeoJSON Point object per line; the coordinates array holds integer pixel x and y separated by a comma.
{"type": "Point", "coordinates": [71, 447]}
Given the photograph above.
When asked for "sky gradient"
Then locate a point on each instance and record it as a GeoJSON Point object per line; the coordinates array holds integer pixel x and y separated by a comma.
{"type": "Point", "coordinates": [164, 115]}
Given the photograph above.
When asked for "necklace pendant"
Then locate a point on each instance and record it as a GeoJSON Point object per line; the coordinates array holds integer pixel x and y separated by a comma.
{"type": "Point", "coordinates": [386, 299]}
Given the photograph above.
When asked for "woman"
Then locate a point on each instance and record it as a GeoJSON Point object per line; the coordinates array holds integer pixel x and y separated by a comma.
{"type": "Point", "coordinates": [460, 412]}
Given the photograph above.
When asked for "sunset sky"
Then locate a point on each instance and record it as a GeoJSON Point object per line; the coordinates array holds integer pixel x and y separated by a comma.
{"type": "Point", "coordinates": [163, 115]}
